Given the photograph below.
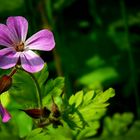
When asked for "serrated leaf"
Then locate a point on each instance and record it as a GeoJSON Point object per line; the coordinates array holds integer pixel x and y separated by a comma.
{"type": "Point", "coordinates": [89, 131]}
{"type": "Point", "coordinates": [57, 83]}
{"type": "Point", "coordinates": [88, 108]}
{"type": "Point", "coordinates": [53, 88]}
{"type": "Point", "coordinates": [104, 96]}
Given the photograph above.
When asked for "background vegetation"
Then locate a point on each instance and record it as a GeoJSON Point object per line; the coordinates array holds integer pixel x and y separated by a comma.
{"type": "Point", "coordinates": [97, 47]}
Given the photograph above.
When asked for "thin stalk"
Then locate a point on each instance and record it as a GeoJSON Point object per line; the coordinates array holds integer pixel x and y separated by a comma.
{"type": "Point", "coordinates": [130, 55]}
{"type": "Point", "coordinates": [13, 72]}
{"type": "Point", "coordinates": [56, 55]}
{"type": "Point", "coordinates": [60, 42]}
{"type": "Point", "coordinates": [39, 96]}
{"type": "Point", "coordinates": [48, 17]}
{"type": "Point", "coordinates": [38, 93]}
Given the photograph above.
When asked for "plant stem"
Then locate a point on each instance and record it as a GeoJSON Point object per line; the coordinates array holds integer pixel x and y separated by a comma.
{"type": "Point", "coordinates": [39, 96]}
{"type": "Point", "coordinates": [130, 55]}
{"type": "Point", "coordinates": [13, 72]}
{"type": "Point", "coordinates": [48, 9]}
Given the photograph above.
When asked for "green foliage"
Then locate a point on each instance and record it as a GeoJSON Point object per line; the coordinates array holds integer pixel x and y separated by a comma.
{"type": "Point", "coordinates": [100, 75]}
{"type": "Point", "coordinates": [118, 124]}
{"type": "Point", "coordinates": [80, 114]}
{"type": "Point", "coordinates": [26, 88]}
{"type": "Point", "coordinates": [36, 134]}
{"type": "Point", "coordinates": [61, 133]}
{"type": "Point", "coordinates": [85, 110]}
{"type": "Point", "coordinates": [134, 131]}
{"type": "Point", "coordinates": [42, 76]}
{"type": "Point", "coordinates": [120, 127]}
{"type": "Point", "coordinates": [24, 123]}
{"type": "Point", "coordinates": [93, 51]}
{"type": "Point", "coordinates": [19, 126]}
{"type": "Point", "coordinates": [53, 88]}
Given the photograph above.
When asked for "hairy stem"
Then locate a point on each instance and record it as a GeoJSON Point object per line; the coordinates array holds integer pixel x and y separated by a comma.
{"type": "Point", "coordinates": [39, 96]}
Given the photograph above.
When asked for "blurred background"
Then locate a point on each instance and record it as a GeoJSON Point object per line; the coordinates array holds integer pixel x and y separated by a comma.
{"type": "Point", "coordinates": [97, 44]}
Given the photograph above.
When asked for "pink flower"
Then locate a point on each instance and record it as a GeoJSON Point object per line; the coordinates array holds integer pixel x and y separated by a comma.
{"type": "Point", "coordinates": [18, 49]}
{"type": "Point", "coordinates": [4, 114]}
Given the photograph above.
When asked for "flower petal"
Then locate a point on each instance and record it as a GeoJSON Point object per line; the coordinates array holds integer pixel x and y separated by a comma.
{"type": "Point", "coordinates": [4, 114]}
{"type": "Point", "coordinates": [18, 26]}
{"type": "Point", "coordinates": [31, 62]}
{"type": "Point", "coordinates": [6, 38]}
{"type": "Point", "coordinates": [8, 58]}
{"type": "Point", "coordinates": [42, 40]}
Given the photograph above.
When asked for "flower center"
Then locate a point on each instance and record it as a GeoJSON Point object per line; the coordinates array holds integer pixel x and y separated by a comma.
{"type": "Point", "coordinates": [19, 47]}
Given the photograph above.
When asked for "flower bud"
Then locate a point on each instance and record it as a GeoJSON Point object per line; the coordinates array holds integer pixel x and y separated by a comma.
{"type": "Point", "coordinates": [37, 113]}
{"type": "Point", "coordinates": [5, 83]}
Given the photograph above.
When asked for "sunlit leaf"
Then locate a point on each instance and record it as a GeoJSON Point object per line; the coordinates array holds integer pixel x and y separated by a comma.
{"type": "Point", "coordinates": [86, 109]}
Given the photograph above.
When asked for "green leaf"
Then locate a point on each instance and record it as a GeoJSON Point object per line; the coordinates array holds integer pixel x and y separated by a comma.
{"type": "Point", "coordinates": [24, 123]}
{"type": "Point", "coordinates": [33, 133]}
{"type": "Point", "coordinates": [53, 88]}
{"type": "Point", "coordinates": [42, 75]}
{"type": "Point", "coordinates": [23, 89]}
{"type": "Point", "coordinates": [88, 96]}
{"type": "Point", "coordinates": [61, 133]}
{"type": "Point", "coordinates": [76, 99]}
{"type": "Point", "coordinates": [118, 124]}
{"type": "Point", "coordinates": [89, 131]}
{"type": "Point", "coordinates": [59, 82]}
{"type": "Point", "coordinates": [101, 75]}
{"type": "Point", "coordinates": [85, 111]}
{"type": "Point", "coordinates": [134, 131]}
{"type": "Point", "coordinates": [38, 136]}
{"type": "Point", "coordinates": [102, 97]}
